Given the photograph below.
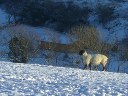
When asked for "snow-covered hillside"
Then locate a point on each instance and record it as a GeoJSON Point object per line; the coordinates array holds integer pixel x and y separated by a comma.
{"type": "Point", "coordinates": [45, 34]}
{"type": "Point", "coordinates": [39, 80]}
{"type": "Point", "coordinates": [115, 29]}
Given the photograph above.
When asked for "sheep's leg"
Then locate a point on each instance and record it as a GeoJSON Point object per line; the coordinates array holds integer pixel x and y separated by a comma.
{"type": "Point", "coordinates": [104, 68]}
{"type": "Point", "coordinates": [96, 67]}
{"type": "Point", "coordinates": [85, 66]}
{"type": "Point", "coordinates": [90, 66]}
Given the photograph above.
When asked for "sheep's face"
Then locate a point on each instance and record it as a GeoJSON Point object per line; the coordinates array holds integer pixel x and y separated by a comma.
{"type": "Point", "coordinates": [81, 52]}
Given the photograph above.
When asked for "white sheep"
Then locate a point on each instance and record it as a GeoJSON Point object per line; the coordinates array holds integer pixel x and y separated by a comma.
{"type": "Point", "coordinates": [94, 59]}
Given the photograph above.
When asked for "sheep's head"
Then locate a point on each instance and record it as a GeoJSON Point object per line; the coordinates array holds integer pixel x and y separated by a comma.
{"type": "Point", "coordinates": [81, 52]}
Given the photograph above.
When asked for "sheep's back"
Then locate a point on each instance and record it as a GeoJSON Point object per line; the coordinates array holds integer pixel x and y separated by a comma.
{"type": "Point", "coordinates": [99, 58]}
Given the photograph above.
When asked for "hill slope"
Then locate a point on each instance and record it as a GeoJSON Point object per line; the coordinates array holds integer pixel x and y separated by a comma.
{"type": "Point", "coordinates": [41, 80]}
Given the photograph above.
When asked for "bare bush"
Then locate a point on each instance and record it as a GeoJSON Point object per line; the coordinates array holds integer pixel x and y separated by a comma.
{"type": "Point", "coordinates": [88, 37]}
{"type": "Point", "coordinates": [18, 50]}
{"type": "Point", "coordinates": [32, 37]}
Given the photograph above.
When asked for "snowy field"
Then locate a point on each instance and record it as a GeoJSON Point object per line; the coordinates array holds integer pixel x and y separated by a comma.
{"type": "Point", "coordinates": [41, 80]}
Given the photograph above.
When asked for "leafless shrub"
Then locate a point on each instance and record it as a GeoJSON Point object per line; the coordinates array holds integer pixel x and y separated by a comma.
{"type": "Point", "coordinates": [88, 37]}
{"type": "Point", "coordinates": [23, 31]}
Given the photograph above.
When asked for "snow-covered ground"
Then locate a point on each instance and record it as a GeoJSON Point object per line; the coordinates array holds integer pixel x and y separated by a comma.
{"type": "Point", "coordinates": [41, 80]}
